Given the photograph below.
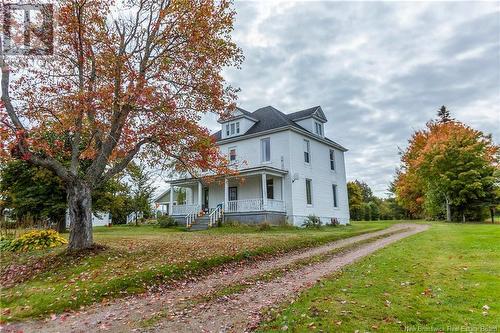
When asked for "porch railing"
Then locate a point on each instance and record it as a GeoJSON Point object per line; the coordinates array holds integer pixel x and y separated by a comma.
{"type": "Point", "coordinates": [254, 205]}
{"type": "Point", "coordinates": [185, 209]}
{"type": "Point", "coordinates": [275, 205]}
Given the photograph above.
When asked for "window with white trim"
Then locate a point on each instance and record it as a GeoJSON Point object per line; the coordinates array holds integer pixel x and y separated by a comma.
{"type": "Point", "coordinates": [233, 129]}
{"type": "Point", "coordinates": [332, 159]}
{"type": "Point", "coordinates": [335, 196]}
{"type": "Point", "coordinates": [308, 191]}
{"type": "Point", "coordinates": [307, 151]}
{"type": "Point", "coordinates": [265, 150]}
{"type": "Point", "coordinates": [232, 154]}
{"type": "Point", "coordinates": [319, 128]}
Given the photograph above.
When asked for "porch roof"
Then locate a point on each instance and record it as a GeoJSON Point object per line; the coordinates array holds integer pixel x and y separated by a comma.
{"type": "Point", "coordinates": [241, 173]}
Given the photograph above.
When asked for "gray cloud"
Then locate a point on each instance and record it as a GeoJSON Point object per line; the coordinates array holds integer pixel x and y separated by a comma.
{"type": "Point", "coordinates": [379, 70]}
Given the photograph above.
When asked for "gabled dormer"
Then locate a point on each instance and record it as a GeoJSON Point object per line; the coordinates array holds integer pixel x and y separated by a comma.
{"type": "Point", "coordinates": [238, 123]}
{"type": "Point", "coordinates": [312, 119]}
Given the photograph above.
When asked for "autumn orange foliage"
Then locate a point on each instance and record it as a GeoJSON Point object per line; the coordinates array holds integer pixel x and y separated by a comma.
{"type": "Point", "coordinates": [447, 159]}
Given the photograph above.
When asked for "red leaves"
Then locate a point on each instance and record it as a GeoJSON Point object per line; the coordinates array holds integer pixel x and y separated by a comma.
{"type": "Point", "coordinates": [102, 85]}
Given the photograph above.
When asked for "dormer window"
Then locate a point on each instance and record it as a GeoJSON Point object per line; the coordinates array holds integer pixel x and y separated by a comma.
{"type": "Point", "coordinates": [319, 128]}
{"type": "Point", "coordinates": [233, 129]}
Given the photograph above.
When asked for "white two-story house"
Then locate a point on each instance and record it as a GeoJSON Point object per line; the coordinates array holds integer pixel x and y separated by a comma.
{"type": "Point", "coordinates": [287, 168]}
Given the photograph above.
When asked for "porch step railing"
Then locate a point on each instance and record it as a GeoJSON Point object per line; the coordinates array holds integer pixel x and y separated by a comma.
{"type": "Point", "coordinates": [190, 217]}
{"type": "Point", "coordinates": [215, 215]}
{"type": "Point", "coordinates": [185, 209]}
{"type": "Point", "coordinates": [255, 205]}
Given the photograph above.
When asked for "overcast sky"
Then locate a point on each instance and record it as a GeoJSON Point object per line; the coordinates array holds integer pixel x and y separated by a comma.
{"type": "Point", "coordinates": [378, 70]}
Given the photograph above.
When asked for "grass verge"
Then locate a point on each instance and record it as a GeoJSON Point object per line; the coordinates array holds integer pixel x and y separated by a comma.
{"type": "Point", "coordinates": [445, 279]}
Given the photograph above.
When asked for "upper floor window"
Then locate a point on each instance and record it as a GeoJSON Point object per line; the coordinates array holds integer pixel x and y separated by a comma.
{"type": "Point", "coordinates": [227, 130]}
{"type": "Point", "coordinates": [335, 200]}
{"type": "Point", "coordinates": [307, 151]}
{"type": "Point", "coordinates": [319, 128]}
{"type": "Point", "coordinates": [232, 154]}
{"type": "Point", "coordinates": [332, 159]}
{"type": "Point", "coordinates": [238, 127]}
{"type": "Point", "coordinates": [309, 191]}
{"type": "Point", "coordinates": [265, 150]}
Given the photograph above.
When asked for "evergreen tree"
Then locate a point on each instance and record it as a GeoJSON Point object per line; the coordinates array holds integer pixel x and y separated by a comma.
{"type": "Point", "coordinates": [444, 114]}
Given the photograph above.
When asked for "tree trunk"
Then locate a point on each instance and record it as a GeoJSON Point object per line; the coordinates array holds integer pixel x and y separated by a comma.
{"type": "Point", "coordinates": [492, 214]}
{"type": "Point", "coordinates": [80, 215]}
{"type": "Point", "coordinates": [61, 225]}
{"type": "Point", "coordinates": [448, 210]}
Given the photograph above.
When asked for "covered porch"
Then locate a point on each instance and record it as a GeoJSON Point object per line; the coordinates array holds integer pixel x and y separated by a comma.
{"type": "Point", "coordinates": [253, 190]}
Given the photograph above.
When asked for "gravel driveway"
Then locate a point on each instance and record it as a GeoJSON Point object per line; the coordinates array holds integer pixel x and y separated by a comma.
{"type": "Point", "coordinates": [188, 306]}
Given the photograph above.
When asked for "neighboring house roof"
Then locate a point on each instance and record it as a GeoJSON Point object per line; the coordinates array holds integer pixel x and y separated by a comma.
{"type": "Point", "coordinates": [269, 118]}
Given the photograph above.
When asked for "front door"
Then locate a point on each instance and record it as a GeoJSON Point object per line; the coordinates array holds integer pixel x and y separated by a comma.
{"type": "Point", "coordinates": [205, 199]}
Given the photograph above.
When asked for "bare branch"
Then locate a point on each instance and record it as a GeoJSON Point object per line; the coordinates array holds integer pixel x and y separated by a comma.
{"type": "Point", "coordinates": [120, 166]}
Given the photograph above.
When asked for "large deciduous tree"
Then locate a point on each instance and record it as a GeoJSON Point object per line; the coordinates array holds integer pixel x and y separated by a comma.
{"type": "Point", "coordinates": [126, 80]}
{"type": "Point", "coordinates": [448, 164]}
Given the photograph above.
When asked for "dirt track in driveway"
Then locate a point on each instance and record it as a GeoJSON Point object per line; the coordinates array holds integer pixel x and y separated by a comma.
{"type": "Point", "coordinates": [194, 306]}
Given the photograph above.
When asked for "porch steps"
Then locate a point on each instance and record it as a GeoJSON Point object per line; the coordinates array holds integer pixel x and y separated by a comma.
{"type": "Point", "coordinates": [201, 223]}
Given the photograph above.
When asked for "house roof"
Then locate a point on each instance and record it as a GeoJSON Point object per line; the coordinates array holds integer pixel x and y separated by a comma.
{"type": "Point", "coordinates": [269, 118]}
{"type": "Point", "coordinates": [244, 114]}
{"type": "Point", "coordinates": [307, 113]}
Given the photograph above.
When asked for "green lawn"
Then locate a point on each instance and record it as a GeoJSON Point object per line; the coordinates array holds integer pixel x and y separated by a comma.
{"type": "Point", "coordinates": [445, 279]}
{"type": "Point", "coordinates": [135, 258]}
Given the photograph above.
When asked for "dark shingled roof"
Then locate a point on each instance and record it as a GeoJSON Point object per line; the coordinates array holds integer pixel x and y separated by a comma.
{"type": "Point", "coordinates": [307, 113]}
{"type": "Point", "coordinates": [270, 118]}
{"type": "Point", "coordinates": [248, 113]}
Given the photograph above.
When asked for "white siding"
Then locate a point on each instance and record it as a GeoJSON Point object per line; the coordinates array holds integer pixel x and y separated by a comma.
{"type": "Point", "coordinates": [249, 151]}
{"type": "Point", "coordinates": [307, 123]}
{"type": "Point", "coordinates": [318, 170]}
{"type": "Point", "coordinates": [287, 153]}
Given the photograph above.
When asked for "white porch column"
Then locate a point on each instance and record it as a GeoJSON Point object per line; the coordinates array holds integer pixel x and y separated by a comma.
{"type": "Point", "coordinates": [171, 206]}
{"type": "Point", "coordinates": [200, 189]}
{"type": "Point", "coordinates": [226, 193]}
{"type": "Point", "coordinates": [264, 191]}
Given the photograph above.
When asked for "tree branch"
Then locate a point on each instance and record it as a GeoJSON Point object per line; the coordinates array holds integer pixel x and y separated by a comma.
{"type": "Point", "coordinates": [120, 166]}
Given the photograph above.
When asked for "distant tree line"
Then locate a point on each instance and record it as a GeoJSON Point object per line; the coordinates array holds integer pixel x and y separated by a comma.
{"type": "Point", "coordinates": [32, 192]}
{"type": "Point", "coordinates": [364, 206]}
